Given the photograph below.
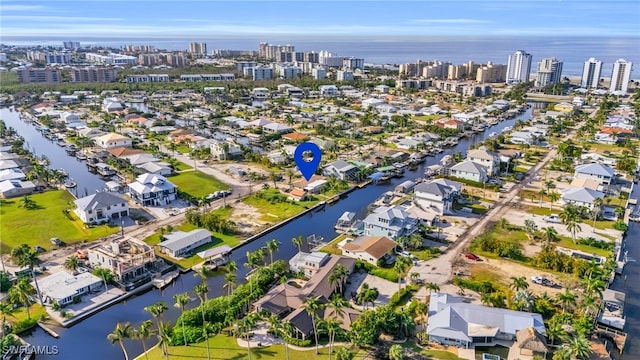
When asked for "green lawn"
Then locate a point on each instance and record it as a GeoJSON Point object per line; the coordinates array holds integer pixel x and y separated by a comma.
{"type": "Point", "coordinates": [197, 184]}
{"type": "Point", "coordinates": [567, 242]}
{"type": "Point", "coordinates": [225, 347]}
{"type": "Point", "coordinates": [36, 227]}
{"type": "Point", "coordinates": [431, 354]}
{"type": "Point", "coordinates": [424, 254]}
{"type": "Point", "coordinates": [36, 311]}
{"type": "Point", "coordinates": [277, 211]}
{"type": "Point", "coordinates": [332, 246]}
{"type": "Point", "coordinates": [180, 166]}
{"type": "Point", "coordinates": [218, 240]}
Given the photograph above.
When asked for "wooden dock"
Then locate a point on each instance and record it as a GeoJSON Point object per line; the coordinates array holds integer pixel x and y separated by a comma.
{"type": "Point", "coordinates": [619, 337]}
{"type": "Point", "coordinates": [48, 330]}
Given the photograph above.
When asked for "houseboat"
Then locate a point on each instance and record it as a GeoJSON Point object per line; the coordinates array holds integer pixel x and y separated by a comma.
{"type": "Point", "coordinates": [105, 170]}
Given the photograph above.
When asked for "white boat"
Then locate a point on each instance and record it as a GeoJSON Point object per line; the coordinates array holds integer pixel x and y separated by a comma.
{"type": "Point", "coordinates": [70, 184]}
{"type": "Point", "coordinates": [493, 134]}
{"type": "Point", "coordinates": [507, 128]}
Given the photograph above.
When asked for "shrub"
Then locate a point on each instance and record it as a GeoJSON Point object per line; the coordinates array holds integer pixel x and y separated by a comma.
{"type": "Point", "coordinates": [600, 244]}
{"type": "Point", "coordinates": [24, 325]}
{"type": "Point", "coordinates": [399, 296]}
{"type": "Point", "coordinates": [620, 225]}
{"type": "Point", "coordinates": [483, 287]}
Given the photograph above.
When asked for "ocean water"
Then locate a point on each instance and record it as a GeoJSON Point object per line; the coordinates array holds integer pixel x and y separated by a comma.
{"type": "Point", "coordinates": [402, 49]}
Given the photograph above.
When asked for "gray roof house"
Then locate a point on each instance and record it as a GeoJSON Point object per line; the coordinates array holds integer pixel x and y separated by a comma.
{"type": "Point", "coordinates": [602, 173]}
{"type": "Point", "coordinates": [580, 196]}
{"type": "Point", "coordinates": [486, 158]}
{"type": "Point", "coordinates": [13, 188]}
{"type": "Point", "coordinates": [454, 322]}
{"type": "Point", "coordinates": [101, 207]}
{"type": "Point", "coordinates": [436, 196]}
{"type": "Point", "coordinates": [390, 221]}
{"type": "Point", "coordinates": [469, 170]}
{"type": "Point", "coordinates": [340, 169]}
{"type": "Point", "coordinates": [152, 190]}
{"type": "Point", "coordinates": [181, 244]}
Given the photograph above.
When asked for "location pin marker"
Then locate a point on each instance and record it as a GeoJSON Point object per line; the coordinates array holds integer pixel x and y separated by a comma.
{"type": "Point", "coordinates": [307, 167]}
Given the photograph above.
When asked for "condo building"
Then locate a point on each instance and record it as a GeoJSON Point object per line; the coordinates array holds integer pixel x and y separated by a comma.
{"type": "Point", "coordinates": [198, 48]}
{"type": "Point", "coordinates": [549, 72]}
{"type": "Point", "coordinates": [620, 75]}
{"type": "Point", "coordinates": [591, 73]}
{"type": "Point", "coordinates": [518, 67]}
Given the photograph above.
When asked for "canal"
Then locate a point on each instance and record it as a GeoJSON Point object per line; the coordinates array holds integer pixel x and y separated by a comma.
{"type": "Point", "coordinates": [88, 338]}
{"type": "Point", "coordinates": [35, 142]}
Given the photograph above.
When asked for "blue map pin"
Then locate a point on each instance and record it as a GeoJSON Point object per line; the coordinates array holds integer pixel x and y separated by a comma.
{"type": "Point", "coordinates": [307, 168]}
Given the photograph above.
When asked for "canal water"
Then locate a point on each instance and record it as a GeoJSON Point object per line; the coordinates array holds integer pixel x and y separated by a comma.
{"type": "Point", "coordinates": [88, 338]}
{"type": "Point", "coordinates": [87, 183]}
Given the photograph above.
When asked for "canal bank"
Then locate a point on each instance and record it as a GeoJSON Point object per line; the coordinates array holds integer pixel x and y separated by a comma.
{"type": "Point", "coordinates": [89, 336]}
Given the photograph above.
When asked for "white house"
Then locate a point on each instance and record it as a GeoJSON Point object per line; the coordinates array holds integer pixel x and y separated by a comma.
{"type": "Point", "coordinates": [469, 170]}
{"type": "Point", "coordinates": [485, 158]}
{"type": "Point", "coordinates": [328, 90]}
{"type": "Point", "coordinates": [112, 140]}
{"type": "Point", "coordinates": [70, 118]}
{"type": "Point", "coordinates": [309, 263]}
{"type": "Point", "coordinates": [13, 188]}
{"type": "Point", "coordinates": [437, 195]}
{"type": "Point", "coordinates": [152, 190]}
{"type": "Point", "coordinates": [101, 207]}
{"type": "Point", "coordinates": [62, 288]}
{"type": "Point", "coordinates": [340, 169]}
{"type": "Point", "coordinates": [580, 196]}
{"type": "Point", "coordinates": [602, 173]}
{"type": "Point", "coordinates": [223, 150]}
{"type": "Point", "coordinates": [181, 244]}
{"type": "Point", "coordinates": [369, 248]}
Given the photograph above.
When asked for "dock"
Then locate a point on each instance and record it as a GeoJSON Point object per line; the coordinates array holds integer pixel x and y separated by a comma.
{"type": "Point", "coordinates": [165, 280]}
{"type": "Point", "coordinates": [48, 330]}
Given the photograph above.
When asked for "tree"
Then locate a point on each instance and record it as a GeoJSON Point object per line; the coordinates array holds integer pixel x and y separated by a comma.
{"type": "Point", "coordinates": [339, 275]}
{"type": "Point", "coordinates": [344, 354]}
{"type": "Point", "coordinates": [578, 347]}
{"type": "Point", "coordinates": [530, 228]}
{"type": "Point", "coordinates": [156, 311]}
{"type": "Point", "coordinates": [121, 332]}
{"type": "Point", "coordinates": [181, 300]}
{"type": "Point", "coordinates": [553, 197]}
{"type": "Point", "coordinates": [555, 330]}
{"type": "Point", "coordinates": [595, 213]}
{"type": "Point", "coordinates": [432, 287]}
{"type": "Point", "coordinates": [550, 234]}
{"type": "Point", "coordinates": [21, 294]}
{"type": "Point", "coordinates": [71, 263]}
{"type": "Point", "coordinates": [542, 193]}
{"type": "Point", "coordinates": [332, 326]}
{"type": "Point", "coordinates": [519, 283]}
{"type": "Point", "coordinates": [298, 241]}
{"type": "Point", "coordinates": [143, 333]}
{"type": "Point", "coordinates": [312, 306]}
{"type": "Point", "coordinates": [229, 282]}
{"type": "Point", "coordinates": [336, 304]}
{"type": "Point", "coordinates": [396, 352]}
{"type": "Point", "coordinates": [524, 300]}
{"type": "Point", "coordinates": [28, 203]}
{"type": "Point", "coordinates": [401, 265]}
{"type": "Point", "coordinates": [201, 291]}
{"type": "Point", "coordinates": [164, 338]}
{"type": "Point", "coordinates": [566, 299]}
{"type": "Point", "coordinates": [28, 258]}
{"type": "Point", "coordinates": [570, 218]}
{"type": "Point", "coordinates": [245, 326]}
{"type": "Point", "coordinates": [272, 246]}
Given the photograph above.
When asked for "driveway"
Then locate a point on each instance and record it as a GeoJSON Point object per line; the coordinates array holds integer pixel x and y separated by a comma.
{"type": "Point", "coordinates": [386, 288]}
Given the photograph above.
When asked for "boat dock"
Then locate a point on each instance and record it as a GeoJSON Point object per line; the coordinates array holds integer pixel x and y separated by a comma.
{"type": "Point", "coordinates": [166, 279]}
{"type": "Point", "coordinates": [48, 330]}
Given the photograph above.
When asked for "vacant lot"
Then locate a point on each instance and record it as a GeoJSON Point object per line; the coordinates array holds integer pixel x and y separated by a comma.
{"type": "Point", "coordinates": [197, 184]}
{"type": "Point", "coordinates": [35, 227]}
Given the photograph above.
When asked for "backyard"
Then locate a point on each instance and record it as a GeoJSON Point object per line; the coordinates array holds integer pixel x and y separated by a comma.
{"type": "Point", "coordinates": [197, 184]}
{"type": "Point", "coordinates": [274, 206]}
{"type": "Point", "coordinates": [19, 225]}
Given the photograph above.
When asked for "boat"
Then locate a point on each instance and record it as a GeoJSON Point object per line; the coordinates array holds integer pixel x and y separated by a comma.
{"type": "Point", "coordinates": [70, 184]}
{"type": "Point", "coordinates": [81, 156]}
{"type": "Point", "coordinates": [71, 149]}
{"type": "Point", "coordinates": [105, 170]}
{"type": "Point", "coordinates": [493, 134]}
{"type": "Point", "coordinates": [507, 128]}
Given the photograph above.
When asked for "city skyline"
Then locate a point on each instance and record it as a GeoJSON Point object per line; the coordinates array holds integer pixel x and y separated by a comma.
{"type": "Point", "coordinates": [119, 19]}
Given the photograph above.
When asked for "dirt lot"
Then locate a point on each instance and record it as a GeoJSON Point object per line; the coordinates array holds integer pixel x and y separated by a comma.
{"type": "Point", "coordinates": [246, 217]}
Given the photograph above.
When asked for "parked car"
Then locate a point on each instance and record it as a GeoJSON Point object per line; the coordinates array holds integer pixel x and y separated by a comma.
{"type": "Point", "coordinates": [537, 280]}
{"type": "Point", "coordinates": [553, 218]}
{"type": "Point", "coordinates": [55, 241]}
{"type": "Point", "coordinates": [473, 257]}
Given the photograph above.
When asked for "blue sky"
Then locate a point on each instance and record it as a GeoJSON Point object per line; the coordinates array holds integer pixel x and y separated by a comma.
{"type": "Point", "coordinates": [178, 18]}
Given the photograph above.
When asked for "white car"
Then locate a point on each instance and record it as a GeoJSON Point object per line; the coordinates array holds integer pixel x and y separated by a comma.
{"type": "Point", "coordinates": [553, 218]}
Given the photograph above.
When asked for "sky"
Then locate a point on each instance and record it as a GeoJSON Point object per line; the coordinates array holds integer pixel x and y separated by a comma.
{"type": "Point", "coordinates": [180, 19]}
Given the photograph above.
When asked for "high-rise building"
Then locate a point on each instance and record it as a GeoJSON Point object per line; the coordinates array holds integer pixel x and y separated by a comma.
{"type": "Point", "coordinates": [176, 60]}
{"type": "Point", "coordinates": [93, 74]}
{"type": "Point", "coordinates": [518, 67]}
{"type": "Point", "coordinates": [491, 73]}
{"type": "Point", "coordinates": [319, 73]}
{"type": "Point", "coordinates": [198, 48]}
{"type": "Point", "coordinates": [312, 57]}
{"type": "Point", "coordinates": [71, 45]}
{"type": "Point", "coordinates": [549, 72]}
{"type": "Point", "coordinates": [620, 75]}
{"type": "Point", "coordinates": [38, 75]}
{"type": "Point", "coordinates": [591, 73]}
{"type": "Point", "coordinates": [57, 58]}
{"type": "Point", "coordinates": [262, 49]}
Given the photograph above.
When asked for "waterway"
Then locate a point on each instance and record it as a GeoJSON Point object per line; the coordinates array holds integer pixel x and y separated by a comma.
{"type": "Point", "coordinates": [35, 142]}
{"type": "Point", "coordinates": [88, 338]}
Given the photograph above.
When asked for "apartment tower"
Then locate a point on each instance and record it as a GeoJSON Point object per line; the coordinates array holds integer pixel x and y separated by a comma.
{"type": "Point", "coordinates": [518, 67]}
{"type": "Point", "coordinates": [591, 73]}
{"type": "Point", "coordinates": [620, 76]}
{"type": "Point", "coordinates": [549, 72]}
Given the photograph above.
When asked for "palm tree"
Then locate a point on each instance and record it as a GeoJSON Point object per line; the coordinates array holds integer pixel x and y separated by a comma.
{"type": "Point", "coordinates": [21, 293]}
{"type": "Point", "coordinates": [594, 285]}
{"type": "Point", "coordinates": [401, 265]}
{"type": "Point", "coordinates": [231, 266]}
{"type": "Point", "coordinates": [336, 304]}
{"type": "Point", "coordinates": [71, 263]}
{"type": "Point", "coordinates": [524, 300]}
{"type": "Point", "coordinates": [578, 347]}
{"type": "Point", "coordinates": [144, 332]}
{"type": "Point", "coordinates": [164, 338]}
{"type": "Point", "coordinates": [272, 246]}
{"type": "Point", "coordinates": [530, 228]}
{"type": "Point", "coordinates": [5, 309]}
{"type": "Point", "coordinates": [555, 331]}
{"type": "Point", "coordinates": [332, 326]}
{"type": "Point", "coordinates": [229, 282]}
{"type": "Point", "coordinates": [396, 352]}
{"type": "Point", "coordinates": [519, 283]}
{"type": "Point", "coordinates": [28, 203]}
{"type": "Point", "coordinates": [201, 291]}
{"type": "Point", "coordinates": [595, 213]}
{"type": "Point", "coordinates": [566, 299]}
{"type": "Point", "coordinates": [339, 275]}
{"type": "Point", "coordinates": [156, 311]}
{"type": "Point", "coordinates": [569, 216]}
{"type": "Point", "coordinates": [181, 300]}
{"type": "Point", "coordinates": [589, 304]}
{"type": "Point", "coordinates": [245, 326]}
{"type": "Point", "coordinates": [553, 197]}
{"type": "Point", "coordinates": [28, 258]}
{"type": "Point", "coordinates": [432, 287]}
{"type": "Point", "coordinates": [298, 241]}
{"type": "Point", "coordinates": [550, 234]}
{"type": "Point", "coordinates": [121, 332]}
{"type": "Point", "coordinates": [542, 193]}
{"type": "Point", "coordinates": [253, 262]}
{"type": "Point", "coordinates": [312, 305]}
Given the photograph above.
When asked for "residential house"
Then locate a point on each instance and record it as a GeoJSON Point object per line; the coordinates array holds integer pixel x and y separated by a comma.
{"type": "Point", "coordinates": [469, 170]}
{"type": "Point", "coordinates": [70, 118]}
{"type": "Point", "coordinates": [308, 263]}
{"type": "Point", "coordinates": [90, 133]}
{"type": "Point", "coordinates": [328, 90]}
{"type": "Point", "coordinates": [63, 288]}
{"type": "Point", "coordinates": [597, 158]}
{"type": "Point", "coordinates": [486, 158]}
{"type": "Point", "coordinates": [225, 149]}
{"type": "Point", "coordinates": [9, 164]}
{"type": "Point", "coordinates": [436, 195]}
{"type": "Point", "coordinates": [111, 105]}
{"type": "Point", "coordinates": [579, 196]}
{"type": "Point", "coordinates": [124, 151]}
{"type": "Point", "coordinates": [602, 173]}
{"type": "Point", "coordinates": [297, 194]}
{"type": "Point", "coordinates": [12, 174]}
{"type": "Point", "coordinates": [369, 248]}
{"type": "Point", "coordinates": [315, 186]}
{"type": "Point", "coordinates": [340, 169]}
{"type": "Point", "coordinates": [112, 140]}
{"type": "Point", "coordinates": [101, 207]}
{"type": "Point", "coordinates": [453, 124]}
{"type": "Point", "coordinates": [181, 244]}
{"type": "Point", "coordinates": [127, 259]}
{"type": "Point", "coordinates": [156, 167]}
{"type": "Point", "coordinates": [152, 190]}
{"type": "Point", "coordinates": [587, 183]}
{"type": "Point", "coordinates": [274, 127]}
{"type": "Point", "coordinates": [454, 322]}
{"type": "Point", "coordinates": [522, 137]}
{"type": "Point", "coordinates": [391, 221]}
{"type": "Point", "coordinates": [176, 134]}
{"type": "Point", "coordinates": [323, 144]}
{"type": "Point", "coordinates": [14, 188]}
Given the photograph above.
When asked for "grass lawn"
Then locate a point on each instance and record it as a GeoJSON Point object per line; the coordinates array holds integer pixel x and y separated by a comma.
{"type": "Point", "coordinates": [431, 354]}
{"type": "Point", "coordinates": [218, 240]}
{"type": "Point", "coordinates": [586, 223]}
{"type": "Point", "coordinates": [36, 227]}
{"type": "Point", "coordinates": [424, 254]}
{"type": "Point", "coordinates": [225, 347]}
{"type": "Point", "coordinates": [567, 242]}
{"type": "Point", "coordinates": [36, 311]}
{"type": "Point", "coordinates": [276, 211]}
{"type": "Point", "coordinates": [485, 274]}
{"type": "Point", "coordinates": [180, 166]}
{"type": "Point", "coordinates": [502, 351]}
{"type": "Point", "coordinates": [332, 246]}
{"type": "Point", "coordinates": [197, 184]}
